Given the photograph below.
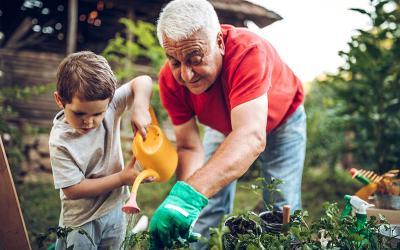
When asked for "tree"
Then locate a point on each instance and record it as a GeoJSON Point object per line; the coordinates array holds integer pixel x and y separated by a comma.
{"type": "Point", "coordinates": [367, 88]}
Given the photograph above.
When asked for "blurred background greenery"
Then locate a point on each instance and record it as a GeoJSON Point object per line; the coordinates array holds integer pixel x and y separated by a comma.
{"type": "Point", "coordinates": [353, 120]}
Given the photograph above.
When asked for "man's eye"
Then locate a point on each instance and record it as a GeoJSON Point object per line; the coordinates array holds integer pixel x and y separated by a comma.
{"type": "Point", "coordinates": [174, 63]}
{"type": "Point", "coordinates": [196, 60]}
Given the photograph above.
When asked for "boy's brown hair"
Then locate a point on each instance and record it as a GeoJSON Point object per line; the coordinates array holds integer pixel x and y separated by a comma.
{"type": "Point", "coordinates": [87, 76]}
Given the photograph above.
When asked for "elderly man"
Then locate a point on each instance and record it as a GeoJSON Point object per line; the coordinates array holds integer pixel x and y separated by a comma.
{"type": "Point", "coordinates": [235, 83]}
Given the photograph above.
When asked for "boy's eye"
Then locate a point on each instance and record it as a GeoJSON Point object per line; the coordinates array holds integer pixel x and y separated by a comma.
{"type": "Point", "coordinates": [98, 114]}
{"type": "Point", "coordinates": [79, 114]}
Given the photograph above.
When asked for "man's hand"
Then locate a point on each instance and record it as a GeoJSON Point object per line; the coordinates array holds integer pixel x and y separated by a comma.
{"type": "Point", "coordinates": [175, 217]}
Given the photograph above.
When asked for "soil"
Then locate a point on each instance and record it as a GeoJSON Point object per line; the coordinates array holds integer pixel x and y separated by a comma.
{"type": "Point", "coordinates": [272, 221]}
{"type": "Point", "coordinates": [240, 225]}
{"type": "Point", "coordinates": [274, 217]}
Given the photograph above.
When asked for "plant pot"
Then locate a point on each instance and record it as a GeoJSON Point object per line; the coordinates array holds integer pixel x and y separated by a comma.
{"type": "Point", "coordinates": [271, 221]}
{"type": "Point", "coordinates": [392, 234]}
{"type": "Point", "coordinates": [242, 225]}
{"type": "Point", "coordinates": [238, 225]}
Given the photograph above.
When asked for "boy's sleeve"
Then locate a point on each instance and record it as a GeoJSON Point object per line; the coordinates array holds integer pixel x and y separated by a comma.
{"type": "Point", "coordinates": [123, 99]}
{"type": "Point", "coordinates": [65, 171]}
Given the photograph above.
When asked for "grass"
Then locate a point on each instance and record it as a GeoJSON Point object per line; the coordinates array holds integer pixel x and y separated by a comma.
{"type": "Point", "coordinates": [41, 205]}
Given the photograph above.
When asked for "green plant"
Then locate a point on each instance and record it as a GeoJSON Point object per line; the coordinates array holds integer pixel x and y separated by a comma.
{"type": "Point", "coordinates": [330, 231]}
{"type": "Point", "coordinates": [325, 133]}
{"type": "Point", "coordinates": [136, 45]}
{"type": "Point", "coordinates": [138, 41]}
{"type": "Point", "coordinates": [62, 234]}
{"type": "Point", "coordinates": [367, 88]}
{"type": "Point", "coordinates": [11, 133]}
{"type": "Point", "coordinates": [260, 184]}
{"type": "Point", "coordinates": [141, 240]}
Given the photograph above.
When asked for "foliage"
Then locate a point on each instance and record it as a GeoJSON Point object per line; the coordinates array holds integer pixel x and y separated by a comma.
{"type": "Point", "coordinates": [40, 204]}
{"type": "Point", "coordinates": [367, 88]}
{"type": "Point", "coordinates": [141, 241]}
{"type": "Point", "coordinates": [62, 234]}
{"type": "Point", "coordinates": [327, 232]}
{"type": "Point", "coordinates": [161, 113]}
{"type": "Point", "coordinates": [137, 42]}
{"type": "Point", "coordinates": [260, 184]}
{"type": "Point", "coordinates": [325, 132]}
{"type": "Point", "coordinates": [137, 45]}
{"type": "Point", "coordinates": [11, 134]}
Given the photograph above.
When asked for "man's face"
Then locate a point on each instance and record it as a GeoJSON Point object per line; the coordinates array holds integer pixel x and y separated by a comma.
{"type": "Point", "coordinates": [84, 115]}
{"type": "Point", "coordinates": [195, 62]}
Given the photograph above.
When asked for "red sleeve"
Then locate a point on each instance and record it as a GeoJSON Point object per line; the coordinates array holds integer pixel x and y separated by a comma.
{"type": "Point", "coordinates": [251, 78]}
{"type": "Point", "coordinates": [174, 98]}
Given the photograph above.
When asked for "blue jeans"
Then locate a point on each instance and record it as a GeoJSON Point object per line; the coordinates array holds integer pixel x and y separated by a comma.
{"type": "Point", "coordinates": [107, 232]}
{"type": "Point", "coordinates": [283, 158]}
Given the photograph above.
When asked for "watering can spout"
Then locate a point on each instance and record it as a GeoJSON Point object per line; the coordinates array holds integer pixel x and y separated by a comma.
{"type": "Point", "coordinates": [131, 206]}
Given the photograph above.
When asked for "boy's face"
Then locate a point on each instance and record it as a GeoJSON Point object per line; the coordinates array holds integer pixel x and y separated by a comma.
{"type": "Point", "coordinates": [83, 115]}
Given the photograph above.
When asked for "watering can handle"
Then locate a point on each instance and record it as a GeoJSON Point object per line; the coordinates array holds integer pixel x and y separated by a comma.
{"type": "Point", "coordinates": [143, 175]}
{"type": "Point", "coordinates": [154, 120]}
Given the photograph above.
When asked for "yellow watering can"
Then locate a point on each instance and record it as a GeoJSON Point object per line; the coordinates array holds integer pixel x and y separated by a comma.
{"type": "Point", "coordinates": [156, 155]}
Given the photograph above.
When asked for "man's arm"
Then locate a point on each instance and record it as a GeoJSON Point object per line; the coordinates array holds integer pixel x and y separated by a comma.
{"type": "Point", "coordinates": [97, 186]}
{"type": "Point", "coordinates": [238, 151]}
{"type": "Point", "coordinates": [190, 149]}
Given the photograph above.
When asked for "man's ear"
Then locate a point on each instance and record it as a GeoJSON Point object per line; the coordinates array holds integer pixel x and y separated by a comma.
{"type": "Point", "coordinates": [220, 43]}
{"type": "Point", "coordinates": [58, 100]}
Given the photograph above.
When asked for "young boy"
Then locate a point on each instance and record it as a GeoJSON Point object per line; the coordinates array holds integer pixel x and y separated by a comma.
{"type": "Point", "coordinates": [85, 148]}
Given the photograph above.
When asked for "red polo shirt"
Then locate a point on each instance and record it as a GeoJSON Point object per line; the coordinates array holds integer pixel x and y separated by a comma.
{"type": "Point", "coordinates": [251, 67]}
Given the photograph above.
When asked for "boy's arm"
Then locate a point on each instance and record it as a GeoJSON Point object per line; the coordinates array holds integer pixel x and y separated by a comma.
{"type": "Point", "coordinates": [93, 187]}
{"type": "Point", "coordinates": [141, 87]}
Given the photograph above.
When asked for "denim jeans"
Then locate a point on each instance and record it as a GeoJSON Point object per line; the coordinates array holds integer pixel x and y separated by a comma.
{"type": "Point", "coordinates": [283, 158]}
{"type": "Point", "coordinates": [107, 232]}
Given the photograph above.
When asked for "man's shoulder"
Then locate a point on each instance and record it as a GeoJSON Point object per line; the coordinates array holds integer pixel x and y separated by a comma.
{"type": "Point", "coordinates": [241, 38]}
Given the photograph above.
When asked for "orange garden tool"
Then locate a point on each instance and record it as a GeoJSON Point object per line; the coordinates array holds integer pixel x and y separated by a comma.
{"type": "Point", "coordinates": [156, 155]}
{"type": "Point", "coordinates": [371, 180]}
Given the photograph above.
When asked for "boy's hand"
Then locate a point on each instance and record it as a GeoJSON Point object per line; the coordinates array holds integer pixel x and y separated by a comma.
{"type": "Point", "coordinates": [140, 119]}
{"type": "Point", "coordinates": [129, 174]}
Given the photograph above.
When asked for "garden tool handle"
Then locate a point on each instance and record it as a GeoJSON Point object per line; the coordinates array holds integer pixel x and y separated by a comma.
{"type": "Point", "coordinates": [143, 175]}
{"type": "Point", "coordinates": [286, 214]}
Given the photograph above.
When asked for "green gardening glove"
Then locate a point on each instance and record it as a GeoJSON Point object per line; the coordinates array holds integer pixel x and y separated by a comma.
{"type": "Point", "coordinates": [175, 217]}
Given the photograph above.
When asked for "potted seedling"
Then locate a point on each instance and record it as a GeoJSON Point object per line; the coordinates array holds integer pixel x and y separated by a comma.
{"type": "Point", "coordinates": [272, 220]}
{"type": "Point", "coordinates": [61, 233]}
{"type": "Point", "coordinates": [241, 227]}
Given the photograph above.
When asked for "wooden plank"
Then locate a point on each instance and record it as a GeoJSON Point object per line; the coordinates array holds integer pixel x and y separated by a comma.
{"type": "Point", "coordinates": [72, 26]}
{"type": "Point", "coordinates": [13, 234]}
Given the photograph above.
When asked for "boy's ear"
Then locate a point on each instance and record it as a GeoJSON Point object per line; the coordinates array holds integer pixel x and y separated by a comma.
{"type": "Point", "coordinates": [58, 100]}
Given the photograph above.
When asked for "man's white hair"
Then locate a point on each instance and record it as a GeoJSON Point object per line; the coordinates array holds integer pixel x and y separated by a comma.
{"type": "Point", "coordinates": [179, 19]}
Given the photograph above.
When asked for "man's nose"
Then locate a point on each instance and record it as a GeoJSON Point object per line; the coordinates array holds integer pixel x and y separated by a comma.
{"type": "Point", "coordinates": [186, 73]}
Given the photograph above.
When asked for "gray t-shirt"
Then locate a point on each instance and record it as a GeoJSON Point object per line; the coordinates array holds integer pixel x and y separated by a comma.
{"type": "Point", "coordinates": [98, 153]}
